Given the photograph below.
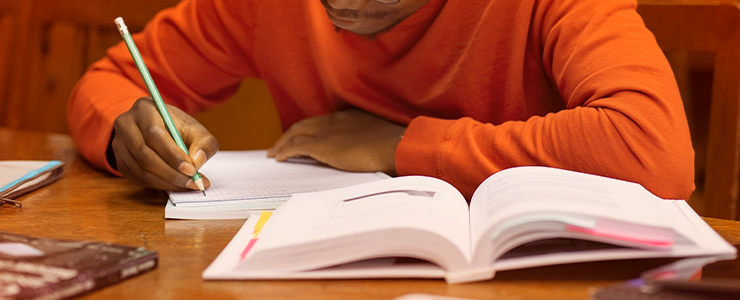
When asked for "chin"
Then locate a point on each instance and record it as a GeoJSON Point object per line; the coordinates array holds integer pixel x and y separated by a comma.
{"type": "Point", "coordinates": [362, 32]}
{"type": "Point", "coordinates": [356, 28]}
{"type": "Point", "coordinates": [369, 32]}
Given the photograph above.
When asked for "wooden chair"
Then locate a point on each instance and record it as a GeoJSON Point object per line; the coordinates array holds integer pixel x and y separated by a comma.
{"type": "Point", "coordinates": [46, 46]}
{"type": "Point", "coordinates": [53, 42]}
{"type": "Point", "coordinates": [8, 13]}
{"type": "Point", "coordinates": [709, 28]}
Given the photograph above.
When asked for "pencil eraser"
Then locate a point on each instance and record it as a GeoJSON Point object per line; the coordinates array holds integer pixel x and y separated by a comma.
{"type": "Point", "coordinates": [121, 26]}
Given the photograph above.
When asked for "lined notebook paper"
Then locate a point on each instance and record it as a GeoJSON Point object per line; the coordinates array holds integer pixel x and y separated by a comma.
{"type": "Point", "coordinates": [18, 177]}
{"type": "Point", "coordinates": [249, 177]}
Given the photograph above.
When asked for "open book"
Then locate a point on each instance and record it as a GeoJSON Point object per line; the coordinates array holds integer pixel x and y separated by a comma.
{"type": "Point", "coordinates": [517, 218]}
{"type": "Point", "coordinates": [247, 182]}
{"type": "Point", "coordinates": [18, 177]}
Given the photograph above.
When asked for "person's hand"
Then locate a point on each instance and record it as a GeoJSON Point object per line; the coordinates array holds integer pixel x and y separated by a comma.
{"type": "Point", "coordinates": [350, 140]}
{"type": "Point", "coordinates": [147, 155]}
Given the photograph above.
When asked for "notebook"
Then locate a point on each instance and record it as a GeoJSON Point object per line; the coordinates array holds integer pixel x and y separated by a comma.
{"type": "Point", "coordinates": [18, 177]}
{"type": "Point", "coordinates": [246, 182]}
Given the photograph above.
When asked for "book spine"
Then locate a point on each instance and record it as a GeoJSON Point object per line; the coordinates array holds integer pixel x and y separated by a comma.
{"type": "Point", "coordinates": [91, 280]}
{"type": "Point", "coordinates": [128, 270]}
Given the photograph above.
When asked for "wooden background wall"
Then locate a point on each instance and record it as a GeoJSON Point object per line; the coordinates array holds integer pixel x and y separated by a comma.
{"type": "Point", "coordinates": [46, 46]}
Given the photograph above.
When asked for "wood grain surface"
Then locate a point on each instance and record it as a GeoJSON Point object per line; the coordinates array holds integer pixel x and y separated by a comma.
{"type": "Point", "coordinates": [87, 204]}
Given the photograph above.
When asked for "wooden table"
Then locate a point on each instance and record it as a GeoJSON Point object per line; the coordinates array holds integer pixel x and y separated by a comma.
{"type": "Point", "coordinates": [87, 204]}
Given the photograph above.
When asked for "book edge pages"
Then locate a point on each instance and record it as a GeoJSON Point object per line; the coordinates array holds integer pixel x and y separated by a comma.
{"type": "Point", "coordinates": [222, 212]}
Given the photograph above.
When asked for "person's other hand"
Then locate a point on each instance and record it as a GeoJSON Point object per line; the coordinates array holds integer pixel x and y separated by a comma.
{"type": "Point", "coordinates": [147, 155]}
{"type": "Point", "coordinates": [350, 140]}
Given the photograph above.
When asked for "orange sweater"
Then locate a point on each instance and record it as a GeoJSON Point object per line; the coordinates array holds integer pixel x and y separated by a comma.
{"type": "Point", "coordinates": [483, 85]}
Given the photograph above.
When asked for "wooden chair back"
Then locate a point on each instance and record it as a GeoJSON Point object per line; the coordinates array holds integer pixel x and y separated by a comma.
{"type": "Point", "coordinates": [709, 28]}
{"type": "Point", "coordinates": [8, 22]}
{"type": "Point", "coordinates": [53, 42]}
{"type": "Point", "coordinates": [46, 46]}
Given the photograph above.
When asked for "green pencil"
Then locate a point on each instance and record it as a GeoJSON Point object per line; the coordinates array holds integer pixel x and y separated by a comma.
{"type": "Point", "coordinates": [155, 95]}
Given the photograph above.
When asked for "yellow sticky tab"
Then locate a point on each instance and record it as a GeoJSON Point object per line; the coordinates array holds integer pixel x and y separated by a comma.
{"type": "Point", "coordinates": [264, 216]}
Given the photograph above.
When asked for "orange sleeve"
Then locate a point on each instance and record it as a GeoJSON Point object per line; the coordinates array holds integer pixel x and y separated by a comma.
{"type": "Point", "coordinates": [624, 117]}
{"type": "Point", "coordinates": [197, 53]}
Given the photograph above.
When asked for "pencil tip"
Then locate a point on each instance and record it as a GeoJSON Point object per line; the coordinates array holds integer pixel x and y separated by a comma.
{"type": "Point", "coordinates": [199, 184]}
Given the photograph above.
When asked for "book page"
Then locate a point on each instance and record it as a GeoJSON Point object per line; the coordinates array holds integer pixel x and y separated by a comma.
{"type": "Point", "coordinates": [244, 177]}
{"type": "Point", "coordinates": [562, 198]}
{"type": "Point", "coordinates": [411, 216]}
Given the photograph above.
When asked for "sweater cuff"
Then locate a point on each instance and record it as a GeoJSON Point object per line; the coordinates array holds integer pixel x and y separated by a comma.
{"type": "Point", "coordinates": [98, 150]}
{"type": "Point", "coordinates": [90, 118]}
{"type": "Point", "coordinates": [418, 151]}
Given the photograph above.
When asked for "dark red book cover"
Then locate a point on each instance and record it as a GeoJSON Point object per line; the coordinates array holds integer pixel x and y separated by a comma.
{"type": "Point", "coordinates": [42, 268]}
